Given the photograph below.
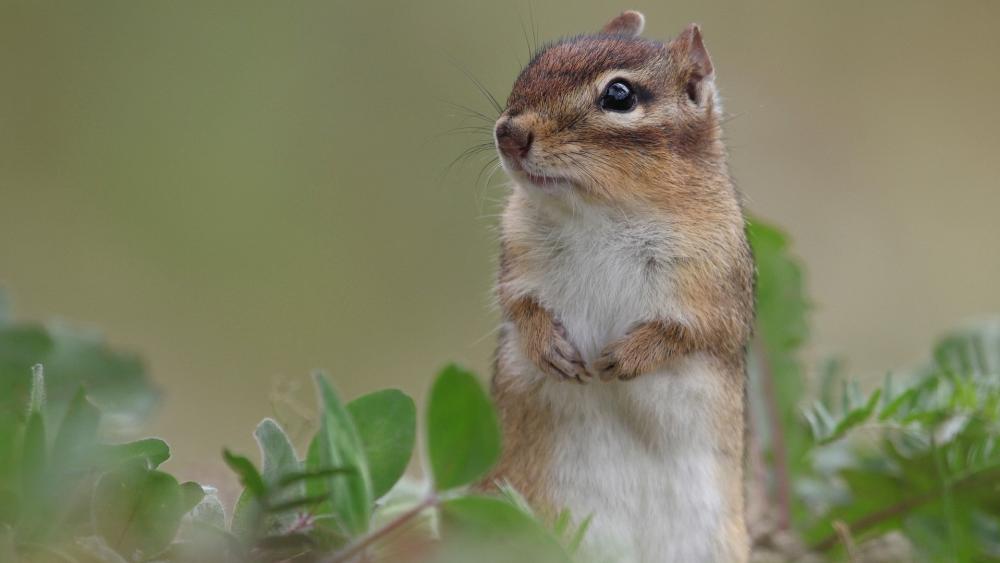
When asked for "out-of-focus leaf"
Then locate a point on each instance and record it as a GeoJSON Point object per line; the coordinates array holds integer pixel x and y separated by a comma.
{"type": "Point", "coordinates": [138, 510]}
{"type": "Point", "coordinates": [581, 532]}
{"type": "Point", "coordinates": [337, 444]}
{"type": "Point", "coordinates": [296, 477]}
{"type": "Point", "coordinates": [971, 352]}
{"type": "Point", "coordinates": [210, 510]}
{"type": "Point", "coordinates": [781, 330]}
{"type": "Point", "coordinates": [248, 517]}
{"type": "Point", "coordinates": [296, 503]}
{"type": "Point", "coordinates": [115, 382]}
{"type": "Point", "coordinates": [97, 548]}
{"type": "Point", "coordinates": [77, 435]}
{"type": "Point", "coordinates": [154, 450]}
{"type": "Point", "coordinates": [248, 474]}
{"type": "Point", "coordinates": [387, 425]}
{"type": "Point", "coordinates": [514, 497]}
{"type": "Point", "coordinates": [491, 524]}
{"type": "Point", "coordinates": [463, 435]}
{"type": "Point", "coordinates": [36, 401]}
{"type": "Point", "coordinates": [191, 495]}
{"type": "Point", "coordinates": [4, 309]}
{"type": "Point", "coordinates": [33, 457]}
{"type": "Point", "coordinates": [278, 459]}
{"type": "Point", "coordinates": [9, 505]}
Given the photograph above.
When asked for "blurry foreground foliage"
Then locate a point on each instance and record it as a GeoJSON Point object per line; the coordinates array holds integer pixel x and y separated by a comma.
{"type": "Point", "coordinates": [836, 472]}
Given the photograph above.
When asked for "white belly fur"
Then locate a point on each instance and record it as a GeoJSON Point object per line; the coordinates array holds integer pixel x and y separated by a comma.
{"type": "Point", "coordinates": [639, 455]}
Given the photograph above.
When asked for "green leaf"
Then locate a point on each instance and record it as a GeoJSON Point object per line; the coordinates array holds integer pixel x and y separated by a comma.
{"type": "Point", "coordinates": [77, 434]}
{"type": "Point", "coordinates": [248, 517]}
{"type": "Point", "coordinates": [191, 495]}
{"type": "Point", "coordinates": [115, 382]}
{"type": "Point", "coordinates": [33, 457]}
{"type": "Point", "coordinates": [138, 509]}
{"type": "Point", "coordinates": [337, 444]}
{"type": "Point", "coordinates": [781, 330]}
{"type": "Point", "coordinates": [494, 527]}
{"type": "Point", "coordinates": [387, 426]}
{"type": "Point", "coordinates": [581, 532]}
{"type": "Point", "coordinates": [154, 450]}
{"type": "Point", "coordinates": [210, 510]}
{"type": "Point", "coordinates": [9, 508]}
{"type": "Point", "coordinates": [37, 398]}
{"type": "Point", "coordinates": [4, 309]}
{"type": "Point", "coordinates": [248, 474]}
{"type": "Point", "coordinates": [296, 477]}
{"type": "Point", "coordinates": [278, 457]}
{"type": "Point", "coordinates": [97, 548]}
{"type": "Point", "coordinates": [463, 435]}
{"type": "Point", "coordinates": [855, 417]}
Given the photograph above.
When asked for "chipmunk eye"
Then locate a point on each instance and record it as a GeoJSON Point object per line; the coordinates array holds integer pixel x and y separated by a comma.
{"type": "Point", "coordinates": [618, 96]}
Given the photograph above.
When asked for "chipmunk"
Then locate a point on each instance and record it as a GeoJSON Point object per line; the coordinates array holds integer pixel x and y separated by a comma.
{"type": "Point", "coordinates": [626, 289]}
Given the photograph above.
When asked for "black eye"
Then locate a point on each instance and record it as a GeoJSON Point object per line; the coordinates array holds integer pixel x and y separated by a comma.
{"type": "Point", "coordinates": [618, 96]}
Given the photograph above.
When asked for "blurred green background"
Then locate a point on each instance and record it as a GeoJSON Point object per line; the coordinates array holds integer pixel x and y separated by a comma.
{"type": "Point", "coordinates": [243, 192]}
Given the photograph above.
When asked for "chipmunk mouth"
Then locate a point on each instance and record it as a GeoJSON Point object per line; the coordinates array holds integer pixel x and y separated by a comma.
{"type": "Point", "coordinates": [545, 181]}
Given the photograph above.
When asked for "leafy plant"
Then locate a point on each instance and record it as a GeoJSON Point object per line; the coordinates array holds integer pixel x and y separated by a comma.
{"type": "Point", "coordinates": [915, 458]}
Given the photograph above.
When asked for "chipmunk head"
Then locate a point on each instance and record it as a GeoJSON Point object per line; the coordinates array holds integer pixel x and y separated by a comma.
{"type": "Point", "coordinates": [612, 115]}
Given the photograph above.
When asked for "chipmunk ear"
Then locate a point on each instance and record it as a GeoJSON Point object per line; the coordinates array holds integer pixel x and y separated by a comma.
{"type": "Point", "coordinates": [689, 51]}
{"type": "Point", "coordinates": [628, 23]}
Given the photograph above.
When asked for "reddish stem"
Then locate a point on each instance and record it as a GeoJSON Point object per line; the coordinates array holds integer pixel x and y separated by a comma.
{"type": "Point", "coordinates": [363, 543]}
{"type": "Point", "coordinates": [779, 454]}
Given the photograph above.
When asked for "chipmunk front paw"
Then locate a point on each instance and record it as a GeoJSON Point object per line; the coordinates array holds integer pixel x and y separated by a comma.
{"type": "Point", "coordinates": [617, 361]}
{"type": "Point", "coordinates": [641, 350]}
{"type": "Point", "coordinates": [555, 355]}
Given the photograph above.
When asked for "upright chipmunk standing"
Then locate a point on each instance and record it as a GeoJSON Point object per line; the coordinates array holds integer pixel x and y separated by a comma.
{"type": "Point", "coordinates": [626, 286]}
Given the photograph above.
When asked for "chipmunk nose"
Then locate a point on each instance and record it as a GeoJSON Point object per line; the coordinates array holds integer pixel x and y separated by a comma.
{"type": "Point", "coordinates": [512, 140]}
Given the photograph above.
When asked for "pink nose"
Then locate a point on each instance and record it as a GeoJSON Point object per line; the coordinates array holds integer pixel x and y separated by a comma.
{"type": "Point", "coordinates": [513, 141]}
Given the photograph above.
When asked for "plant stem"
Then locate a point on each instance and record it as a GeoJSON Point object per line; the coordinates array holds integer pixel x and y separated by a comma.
{"type": "Point", "coordinates": [947, 502]}
{"type": "Point", "coordinates": [375, 535]}
{"type": "Point", "coordinates": [779, 454]}
{"type": "Point", "coordinates": [844, 534]}
{"type": "Point", "coordinates": [983, 477]}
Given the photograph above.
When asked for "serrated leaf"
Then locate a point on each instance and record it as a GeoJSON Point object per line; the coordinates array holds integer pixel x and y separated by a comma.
{"type": "Point", "coordinates": [463, 435]}
{"type": "Point", "coordinates": [854, 418]}
{"type": "Point", "coordinates": [386, 422]}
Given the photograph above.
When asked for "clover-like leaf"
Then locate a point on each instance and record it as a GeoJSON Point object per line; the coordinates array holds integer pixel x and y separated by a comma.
{"type": "Point", "coordinates": [138, 510]}
{"type": "Point", "coordinates": [463, 435]}
{"type": "Point", "coordinates": [387, 426]}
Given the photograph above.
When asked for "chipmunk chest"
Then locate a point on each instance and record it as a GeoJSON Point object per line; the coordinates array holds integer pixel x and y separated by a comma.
{"type": "Point", "coordinates": [600, 276]}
